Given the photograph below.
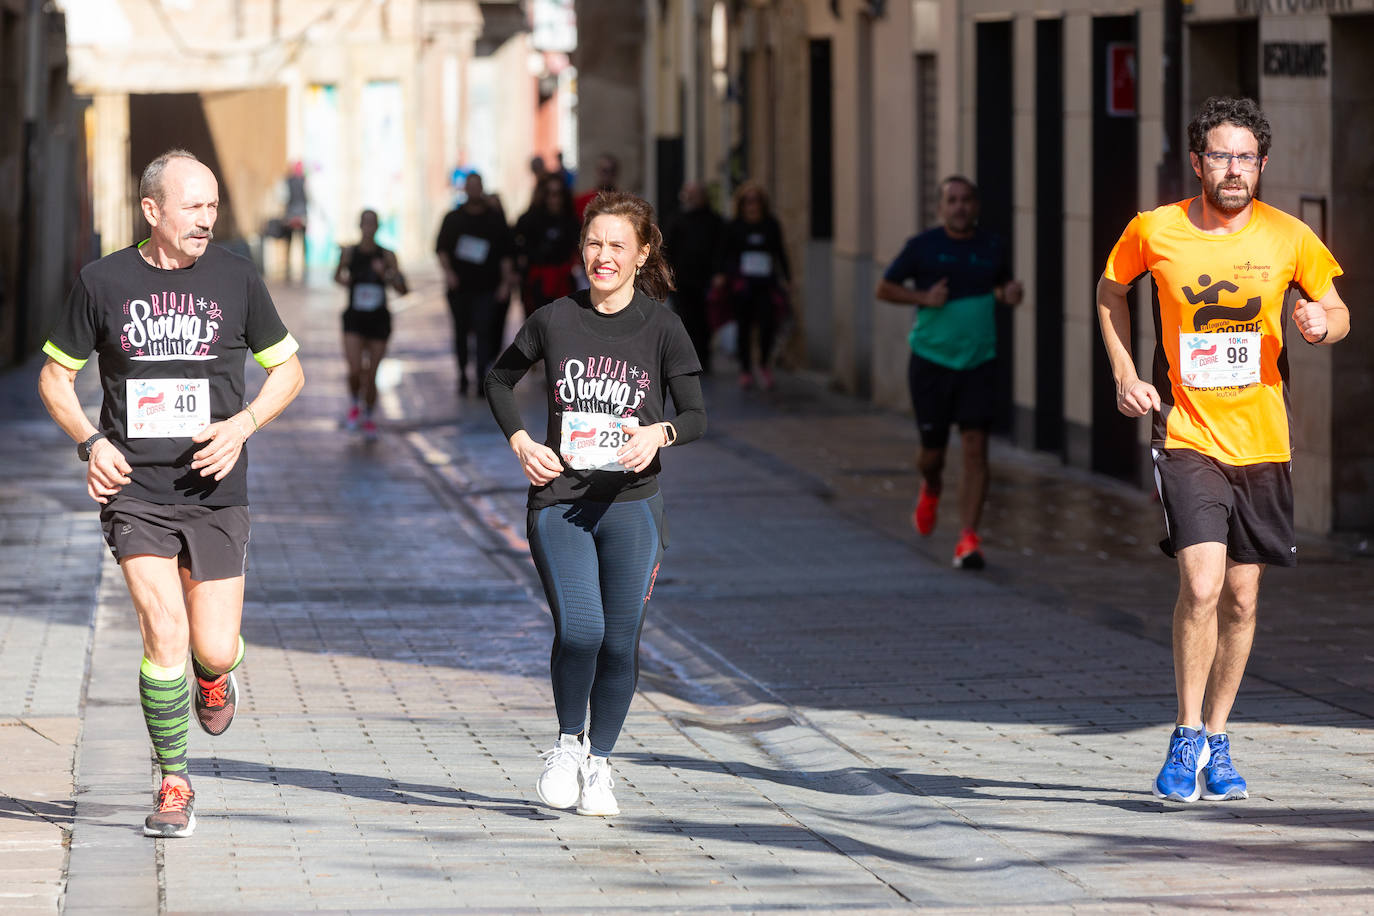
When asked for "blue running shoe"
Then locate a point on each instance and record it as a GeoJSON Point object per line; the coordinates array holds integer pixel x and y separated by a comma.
{"type": "Point", "coordinates": [1223, 782]}
{"type": "Point", "coordinates": [1180, 779]}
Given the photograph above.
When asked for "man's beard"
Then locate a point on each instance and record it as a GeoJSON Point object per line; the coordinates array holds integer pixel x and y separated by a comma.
{"type": "Point", "coordinates": [1229, 203]}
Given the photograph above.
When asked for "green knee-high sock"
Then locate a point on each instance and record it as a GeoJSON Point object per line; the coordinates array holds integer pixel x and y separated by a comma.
{"type": "Point", "coordinates": [166, 699]}
{"type": "Point", "coordinates": [205, 674]}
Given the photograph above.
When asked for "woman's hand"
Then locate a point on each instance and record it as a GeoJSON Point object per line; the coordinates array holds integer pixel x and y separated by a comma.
{"type": "Point", "coordinates": [540, 463]}
{"type": "Point", "coordinates": [645, 441]}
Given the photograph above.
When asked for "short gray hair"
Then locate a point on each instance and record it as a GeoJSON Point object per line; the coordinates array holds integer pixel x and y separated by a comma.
{"type": "Point", "coordinates": [150, 184]}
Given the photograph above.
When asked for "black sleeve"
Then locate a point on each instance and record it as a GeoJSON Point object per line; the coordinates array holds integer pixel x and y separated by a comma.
{"type": "Point", "coordinates": [903, 267]}
{"type": "Point", "coordinates": [780, 250]}
{"type": "Point", "coordinates": [448, 234]}
{"type": "Point", "coordinates": [77, 331]}
{"type": "Point", "coordinates": [264, 328]}
{"type": "Point", "coordinates": [509, 368]}
{"type": "Point", "coordinates": [690, 421]}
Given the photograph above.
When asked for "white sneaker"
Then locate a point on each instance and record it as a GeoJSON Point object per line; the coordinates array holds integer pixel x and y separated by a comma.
{"type": "Point", "coordinates": [597, 783]}
{"type": "Point", "coordinates": [558, 785]}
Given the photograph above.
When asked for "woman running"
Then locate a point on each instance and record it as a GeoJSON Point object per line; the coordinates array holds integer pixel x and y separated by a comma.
{"type": "Point", "coordinates": [595, 516]}
{"type": "Point", "coordinates": [367, 269]}
{"type": "Point", "coordinates": [754, 272]}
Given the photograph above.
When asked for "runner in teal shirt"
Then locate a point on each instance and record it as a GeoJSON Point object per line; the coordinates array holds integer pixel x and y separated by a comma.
{"type": "Point", "coordinates": [955, 274]}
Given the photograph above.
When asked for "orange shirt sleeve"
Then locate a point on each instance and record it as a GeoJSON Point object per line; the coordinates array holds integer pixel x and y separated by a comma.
{"type": "Point", "coordinates": [1127, 260]}
{"type": "Point", "coordinates": [1316, 266]}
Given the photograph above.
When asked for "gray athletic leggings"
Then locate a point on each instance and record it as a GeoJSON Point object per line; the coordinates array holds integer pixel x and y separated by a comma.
{"type": "Point", "coordinates": [597, 562]}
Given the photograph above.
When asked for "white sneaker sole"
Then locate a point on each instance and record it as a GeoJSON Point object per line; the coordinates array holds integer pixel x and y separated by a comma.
{"type": "Point", "coordinates": [186, 831]}
{"type": "Point", "coordinates": [598, 812]}
{"type": "Point", "coordinates": [1229, 796]}
{"type": "Point", "coordinates": [1197, 786]}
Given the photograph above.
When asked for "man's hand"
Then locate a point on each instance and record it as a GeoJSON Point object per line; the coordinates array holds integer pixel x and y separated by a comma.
{"type": "Point", "coordinates": [645, 441]}
{"type": "Point", "coordinates": [540, 463]}
{"type": "Point", "coordinates": [938, 294]}
{"type": "Point", "coordinates": [1310, 317]}
{"type": "Point", "coordinates": [1012, 292]}
{"type": "Point", "coordinates": [107, 471]}
{"type": "Point", "coordinates": [225, 440]}
{"type": "Point", "coordinates": [1136, 398]}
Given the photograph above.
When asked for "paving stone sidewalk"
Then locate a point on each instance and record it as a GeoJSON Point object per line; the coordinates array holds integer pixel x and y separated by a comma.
{"type": "Point", "coordinates": [829, 719]}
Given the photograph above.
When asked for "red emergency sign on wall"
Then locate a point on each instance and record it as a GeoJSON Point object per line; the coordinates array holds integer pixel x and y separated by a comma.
{"type": "Point", "coordinates": [1121, 79]}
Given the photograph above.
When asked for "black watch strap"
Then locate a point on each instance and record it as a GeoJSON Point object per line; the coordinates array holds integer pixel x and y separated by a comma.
{"type": "Point", "coordinates": [83, 450]}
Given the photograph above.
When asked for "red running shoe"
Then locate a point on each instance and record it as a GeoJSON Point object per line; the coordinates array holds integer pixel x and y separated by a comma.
{"type": "Point", "coordinates": [968, 553]}
{"type": "Point", "coordinates": [926, 511]}
{"type": "Point", "coordinates": [176, 813]}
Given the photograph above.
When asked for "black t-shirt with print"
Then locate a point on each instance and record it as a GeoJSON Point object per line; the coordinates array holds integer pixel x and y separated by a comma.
{"type": "Point", "coordinates": [157, 327]}
{"type": "Point", "coordinates": [614, 364]}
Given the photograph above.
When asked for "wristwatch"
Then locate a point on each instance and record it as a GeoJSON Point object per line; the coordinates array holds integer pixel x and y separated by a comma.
{"type": "Point", "coordinates": [669, 434]}
{"type": "Point", "coordinates": [83, 449]}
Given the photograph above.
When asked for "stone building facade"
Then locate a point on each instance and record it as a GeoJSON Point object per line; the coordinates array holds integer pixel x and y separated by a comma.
{"type": "Point", "coordinates": [1070, 115]}
{"type": "Point", "coordinates": [45, 227]}
{"type": "Point", "coordinates": [380, 102]}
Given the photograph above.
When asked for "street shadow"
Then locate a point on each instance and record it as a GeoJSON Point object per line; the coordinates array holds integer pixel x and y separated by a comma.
{"type": "Point", "coordinates": [918, 849]}
{"type": "Point", "coordinates": [362, 786]}
{"type": "Point", "coordinates": [861, 781]}
{"type": "Point", "coordinates": [59, 813]}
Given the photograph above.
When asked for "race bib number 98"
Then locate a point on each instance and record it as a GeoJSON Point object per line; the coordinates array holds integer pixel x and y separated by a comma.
{"type": "Point", "coordinates": [1219, 360]}
{"type": "Point", "coordinates": [590, 440]}
{"type": "Point", "coordinates": [167, 408]}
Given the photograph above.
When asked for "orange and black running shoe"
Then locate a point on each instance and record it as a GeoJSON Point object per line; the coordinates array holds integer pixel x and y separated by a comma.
{"type": "Point", "coordinates": [968, 553]}
{"type": "Point", "coordinates": [215, 701]}
{"type": "Point", "coordinates": [927, 509]}
{"type": "Point", "coordinates": [176, 814]}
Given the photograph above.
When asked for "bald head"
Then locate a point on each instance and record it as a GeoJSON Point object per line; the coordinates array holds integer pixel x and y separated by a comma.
{"type": "Point", "coordinates": [152, 183]}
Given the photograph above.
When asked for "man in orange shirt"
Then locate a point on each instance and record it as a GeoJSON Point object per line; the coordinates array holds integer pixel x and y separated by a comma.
{"type": "Point", "coordinates": [1222, 262]}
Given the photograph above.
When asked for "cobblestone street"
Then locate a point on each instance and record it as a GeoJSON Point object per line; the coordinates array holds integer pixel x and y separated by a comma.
{"type": "Point", "coordinates": [830, 717]}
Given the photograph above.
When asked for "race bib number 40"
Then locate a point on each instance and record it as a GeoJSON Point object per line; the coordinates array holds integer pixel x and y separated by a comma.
{"type": "Point", "coordinates": [1219, 360]}
{"type": "Point", "coordinates": [590, 440]}
{"type": "Point", "coordinates": [167, 408]}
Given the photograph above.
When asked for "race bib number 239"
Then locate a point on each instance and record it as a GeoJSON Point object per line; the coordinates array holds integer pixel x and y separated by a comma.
{"type": "Point", "coordinates": [590, 441]}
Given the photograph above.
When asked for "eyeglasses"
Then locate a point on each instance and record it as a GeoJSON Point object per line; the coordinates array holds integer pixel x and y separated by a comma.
{"type": "Point", "coordinates": [1248, 162]}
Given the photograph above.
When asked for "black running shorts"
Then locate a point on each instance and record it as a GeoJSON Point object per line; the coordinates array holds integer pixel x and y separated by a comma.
{"type": "Point", "coordinates": [209, 541]}
{"type": "Point", "coordinates": [942, 397]}
{"type": "Point", "coordinates": [1247, 508]}
{"type": "Point", "coordinates": [370, 325]}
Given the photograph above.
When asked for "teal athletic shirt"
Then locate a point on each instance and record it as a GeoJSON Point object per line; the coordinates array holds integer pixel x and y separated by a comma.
{"type": "Point", "coordinates": [962, 333]}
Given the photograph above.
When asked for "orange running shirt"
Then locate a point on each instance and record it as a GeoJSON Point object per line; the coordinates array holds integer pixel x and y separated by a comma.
{"type": "Point", "coordinates": [1220, 364]}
